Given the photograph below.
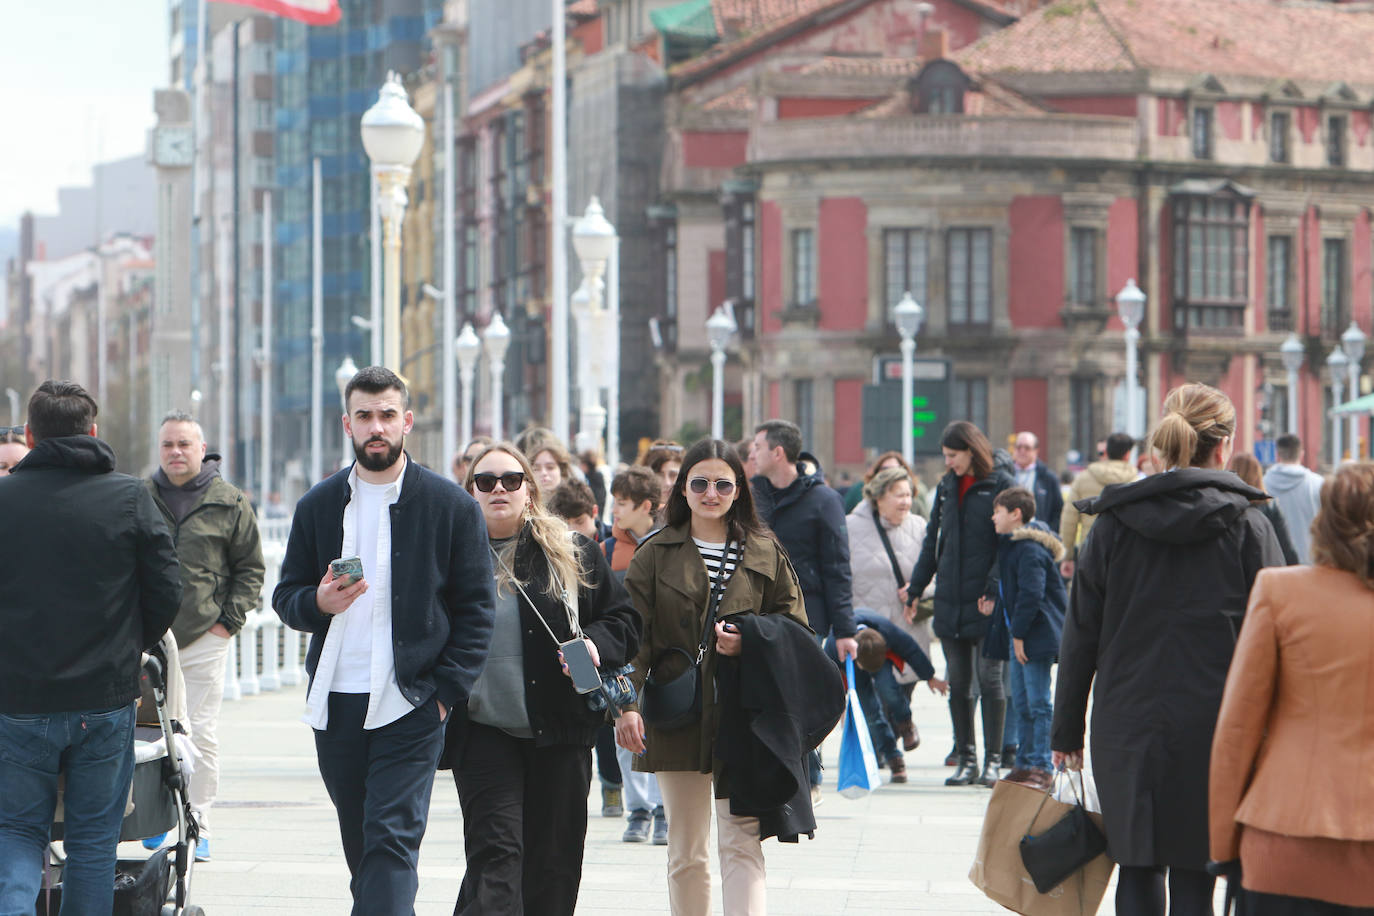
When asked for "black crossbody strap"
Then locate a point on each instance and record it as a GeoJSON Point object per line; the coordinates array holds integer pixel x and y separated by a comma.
{"type": "Point", "coordinates": [891, 554]}
{"type": "Point", "coordinates": [717, 593]}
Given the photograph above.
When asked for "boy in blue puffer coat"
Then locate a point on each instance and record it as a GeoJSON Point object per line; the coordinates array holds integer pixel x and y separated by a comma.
{"type": "Point", "coordinates": [1032, 605]}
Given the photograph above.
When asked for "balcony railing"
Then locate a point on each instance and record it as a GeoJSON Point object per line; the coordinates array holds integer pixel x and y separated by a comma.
{"type": "Point", "coordinates": [1049, 136]}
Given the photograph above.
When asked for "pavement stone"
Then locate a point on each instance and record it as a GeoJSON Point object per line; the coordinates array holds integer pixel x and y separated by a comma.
{"type": "Point", "coordinates": [903, 849]}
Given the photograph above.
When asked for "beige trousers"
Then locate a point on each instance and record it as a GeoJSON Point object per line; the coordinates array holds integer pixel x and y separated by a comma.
{"type": "Point", "coordinates": [687, 798]}
{"type": "Point", "coordinates": [203, 666]}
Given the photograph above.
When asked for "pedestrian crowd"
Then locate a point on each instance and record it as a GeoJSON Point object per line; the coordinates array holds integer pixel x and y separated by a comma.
{"type": "Point", "coordinates": [680, 625]}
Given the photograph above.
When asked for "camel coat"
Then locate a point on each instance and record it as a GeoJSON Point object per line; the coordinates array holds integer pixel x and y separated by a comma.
{"type": "Point", "coordinates": [1293, 752]}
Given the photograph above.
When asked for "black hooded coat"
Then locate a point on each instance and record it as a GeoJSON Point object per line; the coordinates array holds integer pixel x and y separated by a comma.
{"type": "Point", "coordinates": [1159, 591]}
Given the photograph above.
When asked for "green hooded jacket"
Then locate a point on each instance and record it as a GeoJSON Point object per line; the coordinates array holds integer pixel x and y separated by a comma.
{"type": "Point", "coordinates": [220, 554]}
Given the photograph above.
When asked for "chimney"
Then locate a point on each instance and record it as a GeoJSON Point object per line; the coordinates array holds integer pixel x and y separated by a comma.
{"type": "Point", "coordinates": [934, 45]}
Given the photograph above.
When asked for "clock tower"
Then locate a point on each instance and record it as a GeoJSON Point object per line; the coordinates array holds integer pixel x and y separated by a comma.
{"type": "Point", "coordinates": [171, 149]}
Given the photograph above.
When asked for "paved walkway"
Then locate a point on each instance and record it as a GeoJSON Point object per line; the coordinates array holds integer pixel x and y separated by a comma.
{"type": "Point", "coordinates": [903, 849]}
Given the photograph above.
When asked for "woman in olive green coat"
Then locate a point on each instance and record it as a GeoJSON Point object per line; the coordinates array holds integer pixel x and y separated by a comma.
{"type": "Point", "coordinates": [712, 533]}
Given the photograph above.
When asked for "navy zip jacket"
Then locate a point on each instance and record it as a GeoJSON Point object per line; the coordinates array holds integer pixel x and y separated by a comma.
{"type": "Point", "coordinates": [443, 597]}
{"type": "Point", "coordinates": [1033, 595]}
{"type": "Point", "coordinates": [808, 518]}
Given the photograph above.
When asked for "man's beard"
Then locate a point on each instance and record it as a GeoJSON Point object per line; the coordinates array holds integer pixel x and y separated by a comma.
{"type": "Point", "coordinates": [375, 462]}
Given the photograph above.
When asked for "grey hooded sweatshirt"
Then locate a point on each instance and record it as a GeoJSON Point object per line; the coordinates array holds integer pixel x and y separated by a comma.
{"type": "Point", "coordinates": [1298, 493]}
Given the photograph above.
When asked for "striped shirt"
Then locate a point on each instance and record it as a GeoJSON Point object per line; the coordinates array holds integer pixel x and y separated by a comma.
{"type": "Point", "coordinates": [718, 563]}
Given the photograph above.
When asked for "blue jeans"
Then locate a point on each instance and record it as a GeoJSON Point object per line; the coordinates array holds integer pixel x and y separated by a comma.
{"type": "Point", "coordinates": [896, 700]}
{"type": "Point", "coordinates": [884, 741]}
{"type": "Point", "coordinates": [95, 750]}
{"type": "Point", "coordinates": [1030, 688]}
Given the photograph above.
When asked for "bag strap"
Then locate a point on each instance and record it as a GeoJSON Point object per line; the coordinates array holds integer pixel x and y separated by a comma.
{"type": "Point", "coordinates": [1078, 799]}
{"type": "Point", "coordinates": [717, 593]}
{"type": "Point", "coordinates": [572, 619]}
{"type": "Point", "coordinates": [887, 545]}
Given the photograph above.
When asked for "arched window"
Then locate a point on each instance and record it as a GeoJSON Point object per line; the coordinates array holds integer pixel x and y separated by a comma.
{"type": "Point", "coordinates": [939, 88]}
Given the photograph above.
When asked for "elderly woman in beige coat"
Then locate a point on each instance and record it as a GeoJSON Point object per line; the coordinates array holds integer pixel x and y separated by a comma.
{"type": "Point", "coordinates": [879, 580]}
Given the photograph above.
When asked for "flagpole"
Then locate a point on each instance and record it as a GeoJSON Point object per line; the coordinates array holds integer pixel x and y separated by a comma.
{"type": "Point", "coordinates": [197, 125]}
{"type": "Point", "coordinates": [316, 331]}
{"type": "Point", "coordinates": [558, 358]}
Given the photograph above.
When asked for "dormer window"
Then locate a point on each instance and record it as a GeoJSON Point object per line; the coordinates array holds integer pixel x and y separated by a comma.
{"type": "Point", "coordinates": [939, 89]}
{"type": "Point", "coordinates": [1280, 124]}
{"type": "Point", "coordinates": [1335, 140]}
{"type": "Point", "coordinates": [1202, 133]}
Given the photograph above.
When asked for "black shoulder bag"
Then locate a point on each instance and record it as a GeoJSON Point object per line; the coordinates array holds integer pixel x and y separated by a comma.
{"type": "Point", "coordinates": [676, 703]}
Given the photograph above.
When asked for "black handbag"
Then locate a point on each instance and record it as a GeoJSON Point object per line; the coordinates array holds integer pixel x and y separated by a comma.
{"type": "Point", "coordinates": [676, 702]}
{"type": "Point", "coordinates": [1063, 849]}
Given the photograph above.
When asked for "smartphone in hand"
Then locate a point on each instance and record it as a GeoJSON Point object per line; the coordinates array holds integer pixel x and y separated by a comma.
{"type": "Point", "coordinates": [347, 567]}
{"type": "Point", "coordinates": [585, 677]}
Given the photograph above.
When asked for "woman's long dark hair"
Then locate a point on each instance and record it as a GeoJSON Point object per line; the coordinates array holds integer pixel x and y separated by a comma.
{"type": "Point", "coordinates": [741, 521]}
{"type": "Point", "coordinates": [963, 436]}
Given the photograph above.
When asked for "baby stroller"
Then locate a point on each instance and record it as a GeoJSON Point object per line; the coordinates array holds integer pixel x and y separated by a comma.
{"type": "Point", "coordinates": [161, 884]}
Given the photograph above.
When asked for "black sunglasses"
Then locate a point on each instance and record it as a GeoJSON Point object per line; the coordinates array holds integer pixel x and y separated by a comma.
{"type": "Point", "coordinates": [510, 481]}
{"type": "Point", "coordinates": [700, 484]}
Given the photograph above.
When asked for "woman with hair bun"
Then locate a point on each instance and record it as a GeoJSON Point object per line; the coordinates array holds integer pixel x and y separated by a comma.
{"type": "Point", "coordinates": [1158, 593]}
{"type": "Point", "coordinates": [1290, 768]}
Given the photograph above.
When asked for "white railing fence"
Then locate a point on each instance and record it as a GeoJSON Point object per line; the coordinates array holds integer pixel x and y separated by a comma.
{"type": "Point", "coordinates": [265, 654]}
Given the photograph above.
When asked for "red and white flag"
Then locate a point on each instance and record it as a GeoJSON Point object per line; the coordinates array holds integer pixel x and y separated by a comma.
{"type": "Point", "coordinates": [311, 12]}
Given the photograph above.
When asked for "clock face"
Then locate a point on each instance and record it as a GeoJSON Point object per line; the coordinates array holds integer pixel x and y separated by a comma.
{"type": "Point", "coordinates": [174, 146]}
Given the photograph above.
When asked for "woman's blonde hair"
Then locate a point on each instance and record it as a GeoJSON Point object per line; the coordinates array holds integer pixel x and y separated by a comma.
{"type": "Point", "coordinates": [1196, 419]}
{"type": "Point", "coordinates": [879, 483]}
{"type": "Point", "coordinates": [1343, 531]}
{"type": "Point", "coordinates": [549, 531]}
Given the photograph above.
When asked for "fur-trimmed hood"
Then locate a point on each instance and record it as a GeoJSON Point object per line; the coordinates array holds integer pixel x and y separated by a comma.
{"type": "Point", "coordinates": [1042, 536]}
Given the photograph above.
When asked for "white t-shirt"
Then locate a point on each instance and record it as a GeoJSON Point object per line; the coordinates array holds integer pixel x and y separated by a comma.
{"type": "Point", "coordinates": [353, 673]}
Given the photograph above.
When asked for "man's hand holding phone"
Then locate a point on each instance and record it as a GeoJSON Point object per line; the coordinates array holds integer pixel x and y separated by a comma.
{"type": "Point", "coordinates": [336, 591]}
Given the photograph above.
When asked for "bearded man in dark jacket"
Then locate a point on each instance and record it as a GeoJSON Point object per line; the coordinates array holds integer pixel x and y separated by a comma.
{"type": "Point", "coordinates": [96, 582]}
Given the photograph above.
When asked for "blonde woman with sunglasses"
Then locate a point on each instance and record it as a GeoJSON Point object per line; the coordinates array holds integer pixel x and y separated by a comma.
{"type": "Point", "coordinates": [521, 749]}
{"type": "Point", "coordinates": [713, 543]}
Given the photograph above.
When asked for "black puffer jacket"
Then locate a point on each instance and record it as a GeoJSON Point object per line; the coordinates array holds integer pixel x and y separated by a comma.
{"type": "Point", "coordinates": [1159, 589]}
{"type": "Point", "coordinates": [808, 518]}
{"type": "Point", "coordinates": [961, 556]}
{"type": "Point", "coordinates": [93, 580]}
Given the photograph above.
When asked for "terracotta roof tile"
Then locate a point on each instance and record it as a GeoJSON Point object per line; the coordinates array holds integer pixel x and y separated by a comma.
{"type": "Point", "coordinates": [862, 66]}
{"type": "Point", "coordinates": [795, 12]}
{"type": "Point", "coordinates": [737, 99]}
{"type": "Point", "coordinates": [1263, 38]}
{"type": "Point", "coordinates": [582, 8]}
{"type": "Point", "coordinates": [745, 16]}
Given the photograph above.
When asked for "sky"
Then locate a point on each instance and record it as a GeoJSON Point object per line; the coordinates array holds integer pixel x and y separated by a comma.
{"type": "Point", "coordinates": [78, 78]}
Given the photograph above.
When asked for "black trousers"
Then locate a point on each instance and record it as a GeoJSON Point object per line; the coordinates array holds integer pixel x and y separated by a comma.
{"type": "Point", "coordinates": [964, 661]}
{"type": "Point", "coordinates": [607, 766]}
{"type": "Point", "coordinates": [380, 782]}
{"type": "Point", "coordinates": [1253, 903]}
{"type": "Point", "coordinates": [524, 823]}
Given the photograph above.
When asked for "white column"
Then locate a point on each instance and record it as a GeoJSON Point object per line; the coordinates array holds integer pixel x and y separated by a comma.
{"type": "Point", "coordinates": [1293, 401]}
{"type": "Point", "coordinates": [376, 276]}
{"type": "Point", "coordinates": [717, 392]}
{"type": "Point", "coordinates": [450, 303]}
{"type": "Point", "coordinates": [558, 260]}
{"type": "Point", "coordinates": [266, 373]}
{"type": "Point", "coordinates": [316, 331]}
{"type": "Point", "coordinates": [498, 371]}
{"type": "Point", "coordinates": [1353, 376]}
{"type": "Point", "coordinates": [908, 394]}
{"type": "Point", "coordinates": [1337, 447]}
{"type": "Point", "coordinates": [613, 360]}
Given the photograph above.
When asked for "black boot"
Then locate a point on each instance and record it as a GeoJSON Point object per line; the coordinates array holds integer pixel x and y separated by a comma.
{"type": "Point", "coordinates": [961, 715]}
{"type": "Point", "coordinates": [994, 718]}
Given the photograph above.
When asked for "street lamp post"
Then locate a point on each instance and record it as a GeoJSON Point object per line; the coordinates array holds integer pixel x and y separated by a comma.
{"type": "Point", "coordinates": [720, 327]}
{"type": "Point", "coordinates": [908, 316]}
{"type": "Point", "coordinates": [1352, 342]}
{"type": "Point", "coordinates": [342, 376]}
{"type": "Point", "coordinates": [496, 338]}
{"type": "Point", "coordinates": [14, 405]}
{"type": "Point", "coordinates": [1130, 305]}
{"type": "Point", "coordinates": [1291, 354]}
{"type": "Point", "coordinates": [1337, 363]}
{"type": "Point", "coordinates": [594, 241]}
{"type": "Point", "coordinates": [392, 136]}
{"type": "Point", "coordinates": [467, 347]}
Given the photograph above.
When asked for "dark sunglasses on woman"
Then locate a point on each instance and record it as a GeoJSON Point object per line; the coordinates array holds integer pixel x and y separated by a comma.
{"type": "Point", "coordinates": [723, 487]}
{"type": "Point", "coordinates": [510, 481]}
